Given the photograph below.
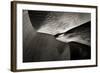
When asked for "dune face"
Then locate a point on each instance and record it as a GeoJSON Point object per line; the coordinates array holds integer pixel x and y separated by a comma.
{"type": "Point", "coordinates": [44, 47]}
{"type": "Point", "coordinates": [51, 22]}
{"type": "Point", "coordinates": [79, 51]}
{"type": "Point", "coordinates": [56, 36]}
{"type": "Point", "coordinates": [80, 34]}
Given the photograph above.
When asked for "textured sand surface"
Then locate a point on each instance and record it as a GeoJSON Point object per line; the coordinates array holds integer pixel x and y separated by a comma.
{"type": "Point", "coordinates": [46, 47]}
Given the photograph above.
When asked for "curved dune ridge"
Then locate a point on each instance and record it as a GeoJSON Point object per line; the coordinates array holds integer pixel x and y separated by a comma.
{"type": "Point", "coordinates": [80, 34]}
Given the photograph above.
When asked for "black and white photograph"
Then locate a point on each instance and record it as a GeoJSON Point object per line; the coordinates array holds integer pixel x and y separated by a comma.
{"type": "Point", "coordinates": [53, 36]}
